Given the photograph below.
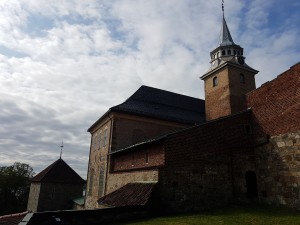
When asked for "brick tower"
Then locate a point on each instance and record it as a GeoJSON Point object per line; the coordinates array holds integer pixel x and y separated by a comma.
{"type": "Point", "coordinates": [228, 79]}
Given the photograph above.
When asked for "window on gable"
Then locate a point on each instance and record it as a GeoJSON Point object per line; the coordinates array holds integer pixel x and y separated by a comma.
{"type": "Point", "coordinates": [215, 81]}
{"type": "Point", "coordinates": [242, 78]}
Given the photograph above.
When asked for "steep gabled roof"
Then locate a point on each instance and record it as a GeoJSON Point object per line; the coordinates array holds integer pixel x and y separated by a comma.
{"type": "Point", "coordinates": [132, 194]}
{"type": "Point", "coordinates": [58, 172]}
{"type": "Point", "coordinates": [161, 104]}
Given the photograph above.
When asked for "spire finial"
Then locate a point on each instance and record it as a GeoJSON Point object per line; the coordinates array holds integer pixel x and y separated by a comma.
{"type": "Point", "coordinates": [61, 148]}
{"type": "Point", "coordinates": [223, 7]}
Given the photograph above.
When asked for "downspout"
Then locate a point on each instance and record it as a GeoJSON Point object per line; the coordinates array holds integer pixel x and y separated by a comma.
{"type": "Point", "coordinates": [108, 157]}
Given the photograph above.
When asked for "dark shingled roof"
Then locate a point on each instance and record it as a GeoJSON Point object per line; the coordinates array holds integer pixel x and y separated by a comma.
{"type": "Point", "coordinates": [58, 172]}
{"type": "Point", "coordinates": [131, 194]}
{"type": "Point", "coordinates": [161, 104]}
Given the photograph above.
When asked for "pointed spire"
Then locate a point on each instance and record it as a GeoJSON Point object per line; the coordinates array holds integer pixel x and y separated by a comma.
{"type": "Point", "coordinates": [226, 38]}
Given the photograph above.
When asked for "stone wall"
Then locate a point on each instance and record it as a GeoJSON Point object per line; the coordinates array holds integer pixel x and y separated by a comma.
{"type": "Point", "coordinates": [119, 179]}
{"type": "Point", "coordinates": [33, 198]}
{"type": "Point", "coordinates": [278, 163]}
{"type": "Point", "coordinates": [121, 130]}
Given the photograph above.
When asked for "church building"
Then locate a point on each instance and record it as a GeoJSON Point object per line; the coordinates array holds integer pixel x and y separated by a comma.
{"type": "Point", "coordinates": [241, 145]}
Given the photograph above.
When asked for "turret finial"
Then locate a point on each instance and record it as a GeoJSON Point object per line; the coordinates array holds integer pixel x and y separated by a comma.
{"type": "Point", "coordinates": [223, 7]}
{"type": "Point", "coordinates": [61, 148]}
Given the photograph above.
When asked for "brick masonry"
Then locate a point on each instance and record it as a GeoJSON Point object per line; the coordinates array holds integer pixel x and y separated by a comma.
{"type": "Point", "coordinates": [228, 96]}
{"type": "Point", "coordinates": [276, 104]}
{"type": "Point", "coordinates": [200, 164]}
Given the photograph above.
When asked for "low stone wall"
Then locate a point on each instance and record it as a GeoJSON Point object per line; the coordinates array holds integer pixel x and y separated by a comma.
{"type": "Point", "coordinates": [88, 217]}
{"type": "Point", "coordinates": [278, 163]}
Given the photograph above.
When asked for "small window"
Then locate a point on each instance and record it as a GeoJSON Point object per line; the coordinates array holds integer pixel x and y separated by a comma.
{"type": "Point", "coordinates": [229, 52]}
{"type": "Point", "coordinates": [238, 52]}
{"type": "Point", "coordinates": [234, 52]}
{"type": "Point", "coordinates": [242, 78]}
{"type": "Point", "coordinates": [215, 81]}
{"type": "Point", "coordinates": [223, 52]}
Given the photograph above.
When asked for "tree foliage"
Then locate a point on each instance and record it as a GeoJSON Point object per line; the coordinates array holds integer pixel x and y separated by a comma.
{"type": "Point", "coordinates": [14, 187]}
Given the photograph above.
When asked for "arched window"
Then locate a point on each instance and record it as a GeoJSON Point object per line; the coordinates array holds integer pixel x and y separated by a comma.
{"type": "Point", "coordinates": [223, 52]}
{"type": "Point", "coordinates": [215, 81]}
{"type": "Point", "coordinates": [242, 78]}
{"type": "Point", "coordinates": [234, 52]}
{"type": "Point", "coordinates": [229, 52]}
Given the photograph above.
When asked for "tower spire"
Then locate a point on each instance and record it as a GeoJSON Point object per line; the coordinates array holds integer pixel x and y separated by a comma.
{"type": "Point", "coordinates": [225, 38]}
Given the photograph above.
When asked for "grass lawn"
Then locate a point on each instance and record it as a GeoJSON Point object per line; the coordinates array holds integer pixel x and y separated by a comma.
{"type": "Point", "coordinates": [235, 215]}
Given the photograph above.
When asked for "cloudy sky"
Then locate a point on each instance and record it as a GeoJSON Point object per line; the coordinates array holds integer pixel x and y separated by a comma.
{"type": "Point", "coordinates": [64, 63]}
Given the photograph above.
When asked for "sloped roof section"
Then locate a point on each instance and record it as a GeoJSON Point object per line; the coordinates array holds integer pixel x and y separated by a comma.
{"type": "Point", "coordinates": [131, 194]}
{"type": "Point", "coordinates": [161, 104]}
{"type": "Point", "coordinates": [12, 219]}
{"type": "Point", "coordinates": [58, 172]}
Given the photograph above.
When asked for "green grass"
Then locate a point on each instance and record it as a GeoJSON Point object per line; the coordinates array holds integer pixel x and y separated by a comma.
{"type": "Point", "coordinates": [236, 215]}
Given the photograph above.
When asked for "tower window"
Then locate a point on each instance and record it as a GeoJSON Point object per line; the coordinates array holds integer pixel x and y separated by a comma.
{"type": "Point", "coordinates": [229, 52]}
{"type": "Point", "coordinates": [234, 52]}
{"type": "Point", "coordinates": [215, 81]}
{"type": "Point", "coordinates": [223, 52]}
{"type": "Point", "coordinates": [242, 78]}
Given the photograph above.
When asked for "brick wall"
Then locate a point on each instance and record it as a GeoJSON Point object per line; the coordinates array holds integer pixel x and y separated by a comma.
{"type": "Point", "coordinates": [200, 164]}
{"type": "Point", "coordinates": [276, 112]}
{"type": "Point", "coordinates": [139, 158]}
{"type": "Point", "coordinates": [129, 130]}
{"type": "Point", "coordinates": [228, 97]}
{"type": "Point", "coordinates": [276, 104]}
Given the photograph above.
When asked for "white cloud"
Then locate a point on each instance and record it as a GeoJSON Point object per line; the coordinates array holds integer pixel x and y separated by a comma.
{"type": "Point", "coordinates": [64, 63]}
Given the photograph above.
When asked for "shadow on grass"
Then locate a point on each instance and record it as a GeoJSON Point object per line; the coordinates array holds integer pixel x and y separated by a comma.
{"type": "Point", "coordinates": [233, 215]}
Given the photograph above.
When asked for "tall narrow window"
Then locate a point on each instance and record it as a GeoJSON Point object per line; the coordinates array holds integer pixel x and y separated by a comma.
{"type": "Point", "coordinates": [215, 81]}
{"type": "Point", "coordinates": [104, 137]}
{"type": "Point", "coordinates": [242, 78]}
{"type": "Point", "coordinates": [91, 181]}
{"type": "Point", "coordinates": [223, 52]}
{"type": "Point", "coordinates": [101, 182]}
{"type": "Point", "coordinates": [99, 140]}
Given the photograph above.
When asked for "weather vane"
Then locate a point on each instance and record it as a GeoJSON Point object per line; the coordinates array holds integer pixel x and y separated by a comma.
{"type": "Point", "coordinates": [61, 148]}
